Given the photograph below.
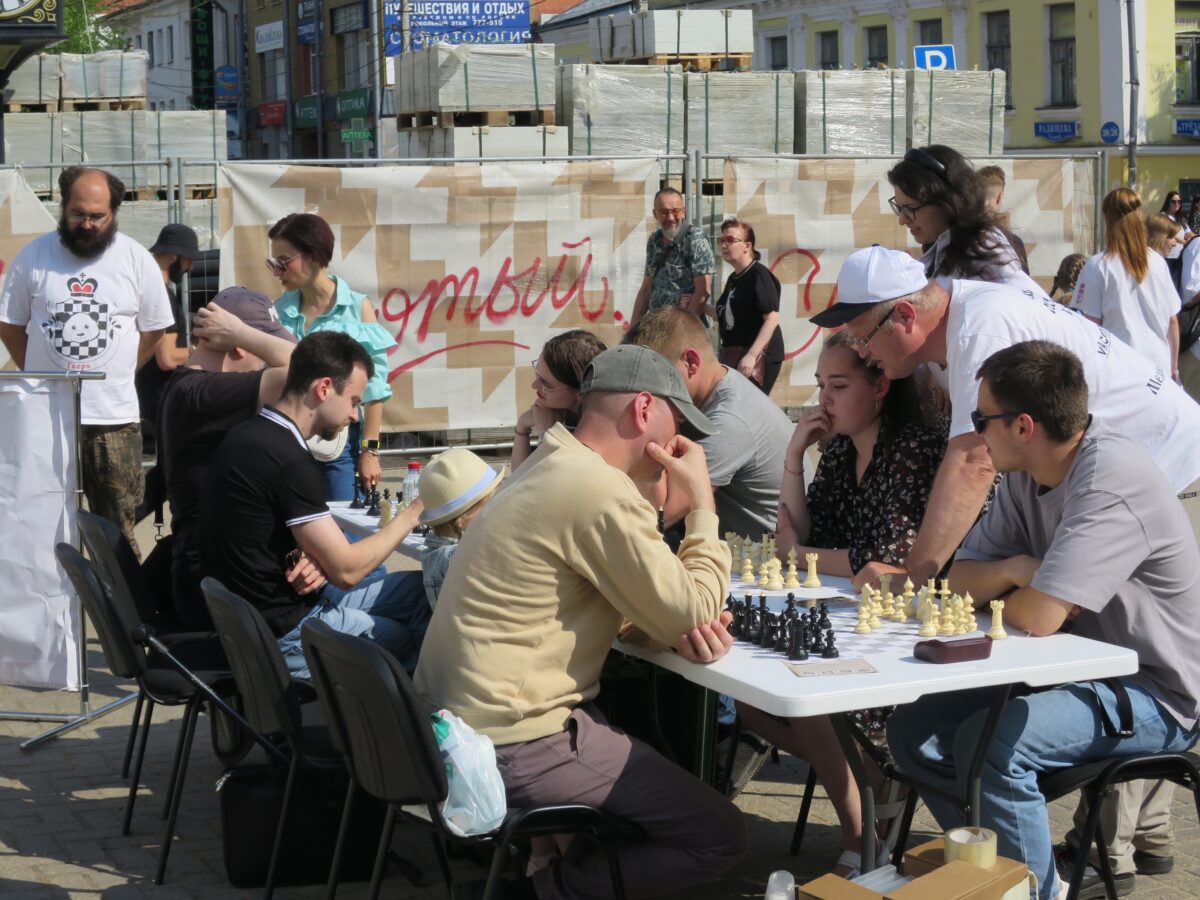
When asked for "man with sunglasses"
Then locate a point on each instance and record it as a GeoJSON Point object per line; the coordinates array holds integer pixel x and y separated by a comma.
{"type": "Point", "coordinates": [679, 261]}
{"type": "Point", "coordinates": [87, 298]}
{"type": "Point", "coordinates": [901, 320]}
{"type": "Point", "coordinates": [1084, 533]}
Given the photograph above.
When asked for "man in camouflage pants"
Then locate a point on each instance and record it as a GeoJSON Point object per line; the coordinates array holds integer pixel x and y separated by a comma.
{"type": "Point", "coordinates": [86, 298]}
{"type": "Point", "coordinates": [679, 261]}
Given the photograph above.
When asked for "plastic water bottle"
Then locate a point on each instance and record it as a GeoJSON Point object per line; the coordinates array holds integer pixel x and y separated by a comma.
{"type": "Point", "coordinates": [409, 491]}
{"type": "Point", "coordinates": [780, 886]}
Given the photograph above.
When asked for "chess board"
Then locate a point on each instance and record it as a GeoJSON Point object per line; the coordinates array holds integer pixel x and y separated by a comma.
{"type": "Point", "coordinates": [889, 639]}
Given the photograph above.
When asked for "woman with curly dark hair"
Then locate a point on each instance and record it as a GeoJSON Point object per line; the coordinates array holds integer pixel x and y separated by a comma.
{"type": "Point", "coordinates": [940, 199]}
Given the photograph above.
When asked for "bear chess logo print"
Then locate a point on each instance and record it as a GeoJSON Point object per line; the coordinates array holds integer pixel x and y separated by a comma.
{"type": "Point", "coordinates": [79, 329]}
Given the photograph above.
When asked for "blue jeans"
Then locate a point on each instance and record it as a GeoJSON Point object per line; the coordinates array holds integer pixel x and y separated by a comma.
{"type": "Point", "coordinates": [389, 610]}
{"type": "Point", "coordinates": [339, 474]}
{"type": "Point", "coordinates": [935, 738]}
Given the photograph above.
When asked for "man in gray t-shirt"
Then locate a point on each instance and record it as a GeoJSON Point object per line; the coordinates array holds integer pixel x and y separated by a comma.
{"type": "Point", "coordinates": [745, 456]}
{"type": "Point", "coordinates": [1085, 533]}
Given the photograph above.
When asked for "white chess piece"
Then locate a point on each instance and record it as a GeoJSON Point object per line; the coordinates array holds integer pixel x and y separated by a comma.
{"type": "Point", "coordinates": [928, 628]}
{"type": "Point", "coordinates": [812, 581]}
{"type": "Point", "coordinates": [864, 623]}
{"type": "Point", "coordinates": [885, 583]}
{"type": "Point", "coordinates": [997, 633]}
{"type": "Point", "coordinates": [774, 575]}
{"type": "Point", "coordinates": [793, 577]}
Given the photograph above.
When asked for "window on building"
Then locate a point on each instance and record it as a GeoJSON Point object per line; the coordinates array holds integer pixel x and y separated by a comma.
{"type": "Point", "coordinates": [1187, 68]}
{"type": "Point", "coordinates": [827, 49]}
{"type": "Point", "coordinates": [274, 75]}
{"type": "Point", "coordinates": [777, 52]}
{"type": "Point", "coordinates": [1062, 54]}
{"type": "Point", "coordinates": [187, 39]}
{"type": "Point", "coordinates": [998, 47]}
{"type": "Point", "coordinates": [929, 31]}
{"type": "Point", "coordinates": [150, 49]}
{"type": "Point", "coordinates": [355, 53]}
{"type": "Point", "coordinates": [137, 41]}
{"type": "Point", "coordinates": [877, 46]}
{"type": "Point", "coordinates": [170, 44]}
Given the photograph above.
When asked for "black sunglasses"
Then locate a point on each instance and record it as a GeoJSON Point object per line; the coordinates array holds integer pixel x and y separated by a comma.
{"type": "Point", "coordinates": [979, 420]}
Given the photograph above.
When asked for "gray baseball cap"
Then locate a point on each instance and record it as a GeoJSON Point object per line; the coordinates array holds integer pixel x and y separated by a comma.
{"type": "Point", "coordinates": [627, 369]}
{"type": "Point", "coordinates": [253, 308]}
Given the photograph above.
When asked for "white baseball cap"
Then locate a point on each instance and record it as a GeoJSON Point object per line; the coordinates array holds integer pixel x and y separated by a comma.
{"type": "Point", "coordinates": [869, 277]}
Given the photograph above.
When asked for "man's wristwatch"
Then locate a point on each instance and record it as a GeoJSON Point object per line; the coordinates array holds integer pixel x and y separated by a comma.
{"type": "Point", "coordinates": [371, 445]}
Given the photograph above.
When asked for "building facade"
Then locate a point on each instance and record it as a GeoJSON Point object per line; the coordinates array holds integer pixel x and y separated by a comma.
{"type": "Point", "coordinates": [315, 93]}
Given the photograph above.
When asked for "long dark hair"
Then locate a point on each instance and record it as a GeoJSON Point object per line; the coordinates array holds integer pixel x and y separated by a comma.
{"type": "Point", "coordinates": [1166, 207]}
{"type": "Point", "coordinates": [901, 404]}
{"type": "Point", "coordinates": [941, 176]}
{"type": "Point", "coordinates": [567, 355]}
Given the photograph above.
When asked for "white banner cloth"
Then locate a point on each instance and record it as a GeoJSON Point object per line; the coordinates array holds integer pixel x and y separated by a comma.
{"type": "Point", "coordinates": [39, 618]}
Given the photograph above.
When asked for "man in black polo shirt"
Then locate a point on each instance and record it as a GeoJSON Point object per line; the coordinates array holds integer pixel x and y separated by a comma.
{"type": "Point", "coordinates": [263, 512]}
{"type": "Point", "coordinates": [239, 364]}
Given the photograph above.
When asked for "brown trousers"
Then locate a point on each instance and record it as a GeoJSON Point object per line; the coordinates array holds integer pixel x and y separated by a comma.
{"type": "Point", "coordinates": [112, 474]}
{"type": "Point", "coordinates": [692, 833]}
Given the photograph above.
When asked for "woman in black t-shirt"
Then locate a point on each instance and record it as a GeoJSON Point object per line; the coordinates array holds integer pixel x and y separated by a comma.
{"type": "Point", "coordinates": [748, 311]}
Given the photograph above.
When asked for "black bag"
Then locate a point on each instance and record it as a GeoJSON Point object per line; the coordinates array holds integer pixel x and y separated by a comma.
{"type": "Point", "coordinates": [251, 797]}
{"type": "Point", "coordinates": [1189, 326]}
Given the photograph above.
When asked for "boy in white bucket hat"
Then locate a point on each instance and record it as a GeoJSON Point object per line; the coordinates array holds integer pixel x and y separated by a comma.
{"type": "Point", "coordinates": [453, 487]}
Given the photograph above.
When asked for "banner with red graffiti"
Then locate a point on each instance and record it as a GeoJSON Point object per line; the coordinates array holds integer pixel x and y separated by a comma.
{"type": "Point", "coordinates": [471, 267]}
{"type": "Point", "coordinates": [809, 215]}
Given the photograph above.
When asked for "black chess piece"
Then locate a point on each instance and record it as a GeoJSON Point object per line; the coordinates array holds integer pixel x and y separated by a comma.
{"type": "Point", "coordinates": [373, 509]}
{"type": "Point", "coordinates": [831, 650]}
{"type": "Point", "coordinates": [783, 631]}
{"type": "Point", "coordinates": [823, 620]}
{"type": "Point", "coordinates": [752, 630]}
{"type": "Point", "coordinates": [817, 646]}
{"type": "Point", "coordinates": [790, 611]}
{"type": "Point", "coordinates": [767, 638]}
{"type": "Point", "coordinates": [357, 502]}
{"type": "Point", "coordinates": [797, 652]}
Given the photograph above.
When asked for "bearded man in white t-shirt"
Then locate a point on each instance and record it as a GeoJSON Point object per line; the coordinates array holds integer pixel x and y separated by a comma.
{"type": "Point", "coordinates": [86, 298]}
{"type": "Point", "coordinates": [901, 320]}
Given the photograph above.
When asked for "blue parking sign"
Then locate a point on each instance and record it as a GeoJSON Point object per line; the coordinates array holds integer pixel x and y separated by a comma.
{"type": "Point", "coordinates": [934, 56]}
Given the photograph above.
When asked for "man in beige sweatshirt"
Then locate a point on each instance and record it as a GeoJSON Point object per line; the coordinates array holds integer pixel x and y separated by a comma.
{"type": "Point", "coordinates": [533, 600]}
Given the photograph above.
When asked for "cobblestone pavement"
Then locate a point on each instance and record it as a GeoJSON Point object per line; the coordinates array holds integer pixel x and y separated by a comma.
{"type": "Point", "coordinates": [61, 807]}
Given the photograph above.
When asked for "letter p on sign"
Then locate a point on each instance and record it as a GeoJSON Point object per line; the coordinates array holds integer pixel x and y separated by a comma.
{"type": "Point", "coordinates": [934, 56]}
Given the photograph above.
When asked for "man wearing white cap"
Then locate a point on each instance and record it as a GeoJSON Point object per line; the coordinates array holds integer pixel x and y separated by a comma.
{"type": "Point", "coordinates": [901, 320]}
{"type": "Point", "coordinates": [565, 549]}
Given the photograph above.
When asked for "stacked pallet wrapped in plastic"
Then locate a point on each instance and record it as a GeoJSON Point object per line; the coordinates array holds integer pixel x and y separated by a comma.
{"type": "Point", "coordinates": [112, 137]}
{"type": "Point", "coordinates": [35, 81]}
{"type": "Point", "coordinates": [850, 113]}
{"type": "Point", "coordinates": [475, 78]}
{"type": "Point", "coordinates": [672, 32]}
{"type": "Point", "coordinates": [34, 139]}
{"type": "Point", "coordinates": [739, 114]}
{"type": "Point", "coordinates": [622, 110]}
{"type": "Point", "coordinates": [482, 141]}
{"type": "Point", "coordinates": [108, 75]}
{"type": "Point", "coordinates": [964, 110]}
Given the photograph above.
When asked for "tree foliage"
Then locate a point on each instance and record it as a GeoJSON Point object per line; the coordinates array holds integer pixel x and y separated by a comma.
{"type": "Point", "coordinates": [86, 29]}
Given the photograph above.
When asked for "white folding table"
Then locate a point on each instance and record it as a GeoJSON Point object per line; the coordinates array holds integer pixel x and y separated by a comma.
{"type": "Point", "coordinates": [761, 678]}
{"type": "Point", "coordinates": [358, 522]}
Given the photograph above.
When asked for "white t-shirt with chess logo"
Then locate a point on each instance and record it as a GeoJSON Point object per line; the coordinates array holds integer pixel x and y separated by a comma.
{"type": "Point", "coordinates": [87, 315]}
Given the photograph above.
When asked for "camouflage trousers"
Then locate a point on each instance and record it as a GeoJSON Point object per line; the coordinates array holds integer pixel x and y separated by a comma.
{"type": "Point", "coordinates": [112, 474]}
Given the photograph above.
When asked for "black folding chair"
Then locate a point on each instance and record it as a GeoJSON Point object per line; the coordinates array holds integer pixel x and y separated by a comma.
{"type": "Point", "coordinates": [122, 575]}
{"type": "Point", "coordinates": [158, 679]}
{"type": "Point", "coordinates": [383, 727]}
{"type": "Point", "coordinates": [272, 699]}
{"type": "Point", "coordinates": [1097, 781]}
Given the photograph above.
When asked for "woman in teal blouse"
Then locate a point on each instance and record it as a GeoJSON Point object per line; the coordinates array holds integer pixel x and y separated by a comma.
{"type": "Point", "coordinates": [314, 300]}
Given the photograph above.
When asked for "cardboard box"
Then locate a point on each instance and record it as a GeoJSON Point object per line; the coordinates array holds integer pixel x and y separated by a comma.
{"type": "Point", "coordinates": [934, 879]}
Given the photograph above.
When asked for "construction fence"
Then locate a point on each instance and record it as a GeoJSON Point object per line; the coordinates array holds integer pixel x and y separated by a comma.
{"type": "Point", "coordinates": [473, 265]}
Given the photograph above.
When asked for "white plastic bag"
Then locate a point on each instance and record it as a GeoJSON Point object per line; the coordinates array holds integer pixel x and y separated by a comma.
{"type": "Point", "coordinates": [475, 802]}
